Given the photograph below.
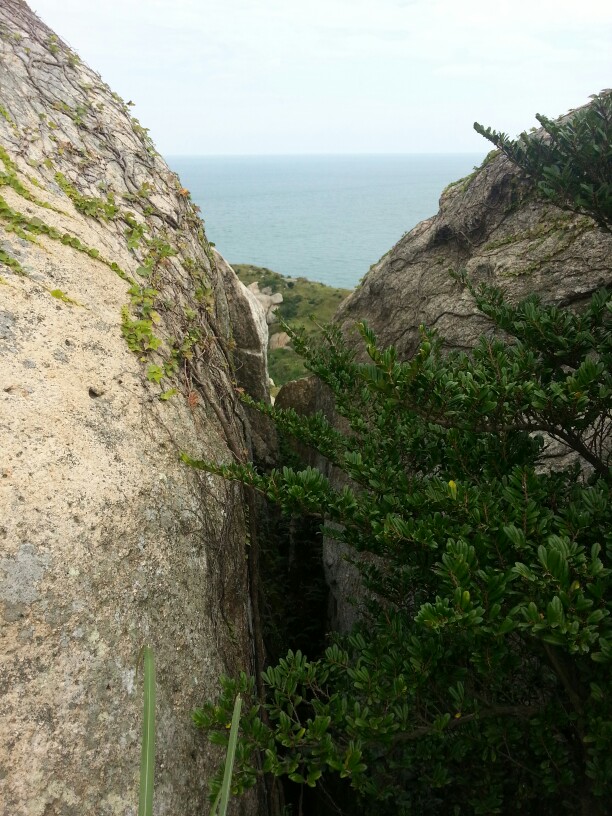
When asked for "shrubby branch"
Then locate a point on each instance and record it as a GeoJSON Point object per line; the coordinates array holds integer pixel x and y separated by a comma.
{"type": "Point", "coordinates": [478, 679]}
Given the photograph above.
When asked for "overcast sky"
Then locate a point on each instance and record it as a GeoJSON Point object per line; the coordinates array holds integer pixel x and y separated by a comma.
{"type": "Point", "coordinates": [339, 76]}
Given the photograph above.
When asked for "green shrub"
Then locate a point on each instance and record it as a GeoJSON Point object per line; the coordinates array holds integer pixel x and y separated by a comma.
{"type": "Point", "coordinates": [480, 677]}
{"type": "Point", "coordinates": [571, 161]}
{"type": "Point", "coordinates": [478, 680]}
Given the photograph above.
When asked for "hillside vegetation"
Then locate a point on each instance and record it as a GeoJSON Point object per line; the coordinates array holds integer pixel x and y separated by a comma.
{"type": "Point", "coordinates": [302, 299]}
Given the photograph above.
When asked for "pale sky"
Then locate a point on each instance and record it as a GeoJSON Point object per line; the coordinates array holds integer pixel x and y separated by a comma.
{"type": "Point", "coordinates": [339, 76]}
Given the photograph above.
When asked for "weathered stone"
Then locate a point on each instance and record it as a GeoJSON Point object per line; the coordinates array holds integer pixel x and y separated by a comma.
{"type": "Point", "coordinates": [492, 225]}
{"type": "Point", "coordinates": [279, 340]}
{"type": "Point", "coordinates": [250, 359]}
{"type": "Point", "coordinates": [303, 395]}
{"type": "Point", "coordinates": [107, 541]}
{"type": "Point", "coordinates": [270, 301]}
{"type": "Point", "coordinates": [249, 333]}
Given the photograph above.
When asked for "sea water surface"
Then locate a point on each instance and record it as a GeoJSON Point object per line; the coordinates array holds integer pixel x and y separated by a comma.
{"type": "Point", "coordinates": [326, 218]}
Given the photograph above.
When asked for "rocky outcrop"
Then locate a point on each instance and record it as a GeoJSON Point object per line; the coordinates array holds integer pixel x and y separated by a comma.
{"type": "Point", "coordinates": [249, 355]}
{"type": "Point", "coordinates": [279, 340]}
{"type": "Point", "coordinates": [269, 300]}
{"type": "Point", "coordinates": [249, 341]}
{"type": "Point", "coordinates": [115, 345]}
{"type": "Point", "coordinates": [492, 225]}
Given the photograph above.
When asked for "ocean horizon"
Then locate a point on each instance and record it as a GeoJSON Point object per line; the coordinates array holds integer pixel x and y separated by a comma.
{"type": "Point", "coordinates": [325, 217]}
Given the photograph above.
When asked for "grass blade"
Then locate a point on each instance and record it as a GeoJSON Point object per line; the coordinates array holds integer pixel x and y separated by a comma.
{"type": "Point", "coordinates": [226, 785]}
{"type": "Point", "coordinates": [147, 760]}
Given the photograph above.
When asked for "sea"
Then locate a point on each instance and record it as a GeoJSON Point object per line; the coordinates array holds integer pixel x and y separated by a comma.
{"type": "Point", "coordinates": [325, 218]}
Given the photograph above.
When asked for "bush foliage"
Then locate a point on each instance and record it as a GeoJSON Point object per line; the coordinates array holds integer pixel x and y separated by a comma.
{"type": "Point", "coordinates": [478, 680]}
{"type": "Point", "coordinates": [570, 161]}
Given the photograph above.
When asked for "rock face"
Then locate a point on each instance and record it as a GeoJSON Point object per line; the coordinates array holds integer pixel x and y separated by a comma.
{"type": "Point", "coordinates": [249, 343]}
{"type": "Point", "coordinates": [115, 343]}
{"type": "Point", "coordinates": [249, 333]}
{"type": "Point", "coordinates": [491, 225]}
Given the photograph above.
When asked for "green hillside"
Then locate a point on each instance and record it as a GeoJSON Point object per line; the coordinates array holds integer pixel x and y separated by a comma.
{"type": "Point", "coordinates": [301, 300]}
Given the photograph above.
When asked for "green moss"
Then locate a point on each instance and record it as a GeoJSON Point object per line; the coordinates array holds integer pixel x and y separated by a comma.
{"type": "Point", "coordinates": [12, 263]}
{"type": "Point", "coordinates": [567, 237]}
{"type": "Point", "coordinates": [564, 229]}
{"type": "Point", "coordinates": [509, 239]}
{"type": "Point", "coordinates": [7, 117]}
{"type": "Point", "coordinates": [60, 295]}
{"type": "Point", "coordinates": [549, 226]}
{"type": "Point", "coordinates": [34, 182]}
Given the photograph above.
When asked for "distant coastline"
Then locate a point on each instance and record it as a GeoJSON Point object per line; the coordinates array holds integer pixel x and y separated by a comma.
{"type": "Point", "coordinates": [326, 218]}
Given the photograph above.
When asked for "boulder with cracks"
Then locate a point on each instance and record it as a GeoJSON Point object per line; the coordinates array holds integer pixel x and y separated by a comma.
{"type": "Point", "coordinates": [116, 349]}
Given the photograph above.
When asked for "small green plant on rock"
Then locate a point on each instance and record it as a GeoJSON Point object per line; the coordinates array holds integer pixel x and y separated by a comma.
{"type": "Point", "coordinates": [91, 206]}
